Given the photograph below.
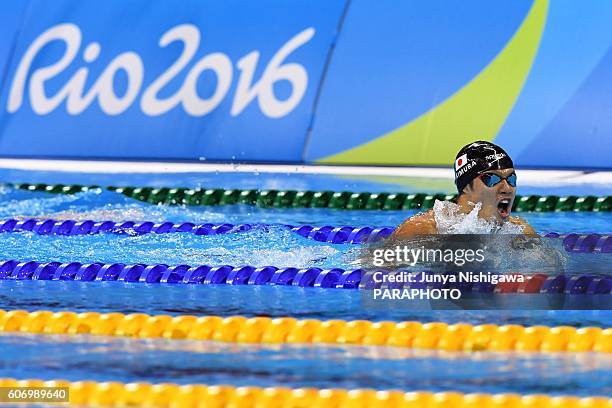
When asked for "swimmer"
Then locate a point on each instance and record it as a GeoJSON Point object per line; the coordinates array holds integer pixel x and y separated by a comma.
{"type": "Point", "coordinates": [486, 182]}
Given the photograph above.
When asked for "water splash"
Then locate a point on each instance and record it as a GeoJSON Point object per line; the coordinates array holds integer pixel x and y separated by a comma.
{"type": "Point", "coordinates": [263, 246]}
{"type": "Point", "coordinates": [507, 248]}
{"type": "Point", "coordinates": [450, 220]}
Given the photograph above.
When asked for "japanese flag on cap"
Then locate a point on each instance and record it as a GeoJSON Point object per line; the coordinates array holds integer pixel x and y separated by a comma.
{"type": "Point", "coordinates": [461, 161]}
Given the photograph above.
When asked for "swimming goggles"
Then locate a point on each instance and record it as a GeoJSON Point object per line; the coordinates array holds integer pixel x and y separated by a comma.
{"type": "Point", "coordinates": [492, 179]}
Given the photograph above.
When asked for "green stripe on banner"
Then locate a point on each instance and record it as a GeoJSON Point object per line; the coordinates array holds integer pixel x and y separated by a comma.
{"type": "Point", "coordinates": [475, 112]}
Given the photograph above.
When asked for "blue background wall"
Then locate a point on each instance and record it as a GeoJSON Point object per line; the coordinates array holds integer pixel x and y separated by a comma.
{"type": "Point", "coordinates": [383, 82]}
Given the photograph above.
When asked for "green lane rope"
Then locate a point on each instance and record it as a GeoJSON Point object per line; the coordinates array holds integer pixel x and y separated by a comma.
{"type": "Point", "coordinates": [345, 200]}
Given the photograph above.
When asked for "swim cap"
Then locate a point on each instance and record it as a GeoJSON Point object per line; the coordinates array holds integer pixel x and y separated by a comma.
{"type": "Point", "coordinates": [477, 158]}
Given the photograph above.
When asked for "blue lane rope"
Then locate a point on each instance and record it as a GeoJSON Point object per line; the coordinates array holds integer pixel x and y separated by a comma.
{"type": "Point", "coordinates": [272, 275]}
{"type": "Point", "coordinates": [579, 243]}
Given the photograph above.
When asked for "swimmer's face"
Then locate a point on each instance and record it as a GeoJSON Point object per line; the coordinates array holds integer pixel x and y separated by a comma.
{"type": "Point", "coordinates": [496, 200]}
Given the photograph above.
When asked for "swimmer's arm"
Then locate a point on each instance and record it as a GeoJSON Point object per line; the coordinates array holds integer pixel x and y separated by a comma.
{"type": "Point", "coordinates": [420, 224]}
{"type": "Point", "coordinates": [527, 229]}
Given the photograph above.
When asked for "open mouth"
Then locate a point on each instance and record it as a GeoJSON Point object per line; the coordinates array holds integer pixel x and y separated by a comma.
{"type": "Point", "coordinates": [503, 207]}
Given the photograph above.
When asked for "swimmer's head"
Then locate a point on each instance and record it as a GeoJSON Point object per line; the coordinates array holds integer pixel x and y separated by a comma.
{"type": "Point", "coordinates": [485, 173]}
{"type": "Point", "coordinates": [478, 158]}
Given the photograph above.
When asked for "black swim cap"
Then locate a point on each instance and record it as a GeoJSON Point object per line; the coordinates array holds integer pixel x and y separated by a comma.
{"type": "Point", "coordinates": [477, 158]}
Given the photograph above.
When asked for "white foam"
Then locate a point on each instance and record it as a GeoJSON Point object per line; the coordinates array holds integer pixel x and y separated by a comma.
{"type": "Point", "coordinates": [534, 256]}
{"type": "Point", "coordinates": [450, 220]}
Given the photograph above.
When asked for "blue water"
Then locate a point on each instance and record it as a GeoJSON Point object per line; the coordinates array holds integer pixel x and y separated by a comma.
{"type": "Point", "coordinates": [116, 359]}
{"type": "Point", "coordinates": [261, 246]}
{"type": "Point", "coordinates": [107, 205]}
{"type": "Point", "coordinates": [99, 358]}
{"type": "Point", "coordinates": [273, 301]}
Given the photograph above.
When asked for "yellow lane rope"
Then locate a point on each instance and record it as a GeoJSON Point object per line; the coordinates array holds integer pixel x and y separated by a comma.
{"type": "Point", "coordinates": [435, 335]}
{"type": "Point", "coordinates": [91, 393]}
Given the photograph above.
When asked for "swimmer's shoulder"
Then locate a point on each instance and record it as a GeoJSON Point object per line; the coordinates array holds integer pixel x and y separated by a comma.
{"type": "Point", "coordinates": [527, 229]}
{"type": "Point", "coordinates": [419, 224]}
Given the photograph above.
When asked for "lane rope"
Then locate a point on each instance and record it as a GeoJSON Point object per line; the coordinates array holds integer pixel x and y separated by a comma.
{"type": "Point", "coordinates": [435, 335]}
{"type": "Point", "coordinates": [572, 242]}
{"type": "Point", "coordinates": [93, 393]}
{"type": "Point", "coordinates": [345, 200]}
{"type": "Point", "coordinates": [339, 278]}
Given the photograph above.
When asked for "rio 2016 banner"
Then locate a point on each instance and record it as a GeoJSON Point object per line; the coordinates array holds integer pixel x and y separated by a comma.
{"type": "Point", "coordinates": [191, 80]}
{"type": "Point", "coordinates": [340, 82]}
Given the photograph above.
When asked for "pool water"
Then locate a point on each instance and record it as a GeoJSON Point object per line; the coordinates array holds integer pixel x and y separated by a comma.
{"type": "Point", "coordinates": [105, 358]}
{"type": "Point", "coordinates": [107, 205]}
{"type": "Point", "coordinates": [272, 301]}
{"type": "Point", "coordinates": [188, 362]}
